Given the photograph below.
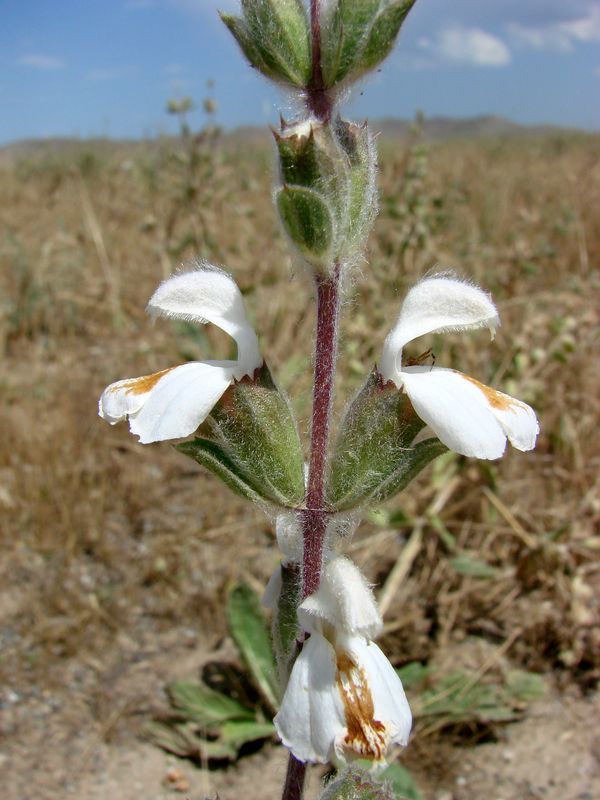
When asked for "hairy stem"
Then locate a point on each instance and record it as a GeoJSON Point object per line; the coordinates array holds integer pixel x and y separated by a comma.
{"type": "Point", "coordinates": [317, 97]}
{"type": "Point", "coordinates": [314, 517]}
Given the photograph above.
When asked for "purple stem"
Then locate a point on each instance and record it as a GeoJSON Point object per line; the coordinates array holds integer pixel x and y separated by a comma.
{"type": "Point", "coordinates": [317, 98]}
{"type": "Point", "coordinates": [314, 517]}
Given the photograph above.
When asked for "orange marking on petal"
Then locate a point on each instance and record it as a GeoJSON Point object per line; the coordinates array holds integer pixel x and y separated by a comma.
{"type": "Point", "coordinates": [503, 402]}
{"type": "Point", "coordinates": [366, 735]}
{"type": "Point", "coordinates": [143, 384]}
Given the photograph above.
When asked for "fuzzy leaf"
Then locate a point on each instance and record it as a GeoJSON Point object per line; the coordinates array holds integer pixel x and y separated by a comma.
{"type": "Point", "coordinates": [357, 36]}
{"type": "Point", "coordinates": [242, 35]}
{"type": "Point", "coordinates": [205, 706]}
{"type": "Point", "coordinates": [401, 781]}
{"type": "Point", "coordinates": [356, 784]}
{"type": "Point", "coordinates": [212, 456]}
{"type": "Point", "coordinates": [285, 623]}
{"type": "Point", "coordinates": [251, 442]}
{"type": "Point", "coordinates": [383, 33]}
{"type": "Point", "coordinates": [279, 30]}
{"type": "Point", "coordinates": [250, 633]}
{"type": "Point", "coordinates": [308, 222]}
{"type": "Point", "coordinates": [374, 457]}
{"type": "Point", "coordinates": [254, 424]}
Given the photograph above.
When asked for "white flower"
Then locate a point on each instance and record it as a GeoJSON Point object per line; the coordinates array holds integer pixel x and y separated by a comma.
{"type": "Point", "coordinates": [172, 403]}
{"type": "Point", "coordinates": [344, 698]}
{"type": "Point", "coordinates": [467, 416]}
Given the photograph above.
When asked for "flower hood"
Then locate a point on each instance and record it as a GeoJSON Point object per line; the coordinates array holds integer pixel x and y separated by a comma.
{"type": "Point", "coordinates": [467, 416]}
{"type": "Point", "coordinates": [173, 402]}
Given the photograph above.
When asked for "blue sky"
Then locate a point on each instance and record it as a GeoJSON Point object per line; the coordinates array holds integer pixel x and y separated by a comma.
{"type": "Point", "coordinates": [107, 67]}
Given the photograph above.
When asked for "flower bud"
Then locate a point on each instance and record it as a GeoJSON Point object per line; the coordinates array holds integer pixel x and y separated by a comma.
{"type": "Point", "coordinates": [274, 37]}
{"type": "Point", "coordinates": [356, 35]}
{"type": "Point", "coordinates": [327, 200]}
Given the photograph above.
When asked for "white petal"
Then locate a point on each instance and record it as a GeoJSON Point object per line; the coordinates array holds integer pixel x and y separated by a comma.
{"type": "Point", "coordinates": [270, 597]}
{"type": "Point", "coordinates": [467, 416]}
{"type": "Point", "coordinates": [376, 711]}
{"type": "Point", "coordinates": [435, 305]}
{"type": "Point", "coordinates": [344, 599]}
{"type": "Point", "coordinates": [517, 419]}
{"type": "Point", "coordinates": [311, 717]}
{"type": "Point", "coordinates": [209, 295]}
{"type": "Point", "coordinates": [456, 410]}
{"type": "Point", "coordinates": [170, 404]}
{"type": "Point", "coordinates": [390, 706]}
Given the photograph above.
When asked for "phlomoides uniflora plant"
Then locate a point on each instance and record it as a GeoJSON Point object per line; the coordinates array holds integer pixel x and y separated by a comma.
{"type": "Point", "coordinates": [341, 700]}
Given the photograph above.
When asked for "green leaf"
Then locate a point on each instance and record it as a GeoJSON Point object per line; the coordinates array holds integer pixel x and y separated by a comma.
{"type": "Point", "coordinates": [279, 30]}
{"type": "Point", "coordinates": [345, 36]}
{"type": "Point", "coordinates": [251, 442]}
{"type": "Point", "coordinates": [525, 686]}
{"type": "Point", "coordinates": [243, 37]}
{"type": "Point", "coordinates": [285, 623]}
{"type": "Point", "coordinates": [413, 673]}
{"type": "Point", "coordinates": [239, 732]}
{"type": "Point", "coordinates": [183, 741]}
{"type": "Point", "coordinates": [212, 456]}
{"type": "Point", "coordinates": [254, 424]}
{"type": "Point", "coordinates": [457, 698]}
{"type": "Point", "coordinates": [383, 33]}
{"type": "Point", "coordinates": [250, 633]}
{"type": "Point", "coordinates": [474, 567]}
{"type": "Point", "coordinates": [205, 706]}
{"type": "Point", "coordinates": [402, 782]}
{"type": "Point", "coordinates": [355, 783]}
{"type": "Point", "coordinates": [177, 739]}
{"type": "Point", "coordinates": [308, 222]}
{"type": "Point", "coordinates": [374, 457]}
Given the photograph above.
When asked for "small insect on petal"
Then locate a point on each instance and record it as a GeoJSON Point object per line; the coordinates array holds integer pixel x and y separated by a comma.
{"type": "Point", "coordinates": [365, 735]}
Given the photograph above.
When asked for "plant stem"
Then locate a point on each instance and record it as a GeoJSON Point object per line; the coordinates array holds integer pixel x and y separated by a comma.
{"type": "Point", "coordinates": [317, 98]}
{"type": "Point", "coordinates": [315, 515]}
{"type": "Point", "coordinates": [294, 779]}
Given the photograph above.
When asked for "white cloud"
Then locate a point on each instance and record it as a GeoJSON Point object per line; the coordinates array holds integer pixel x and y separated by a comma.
{"type": "Point", "coordinates": [174, 69]}
{"type": "Point", "coordinates": [41, 61]}
{"type": "Point", "coordinates": [559, 36]}
{"type": "Point", "coordinates": [468, 46]}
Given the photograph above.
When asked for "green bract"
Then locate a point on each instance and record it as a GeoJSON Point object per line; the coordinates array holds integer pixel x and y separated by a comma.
{"type": "Point", "coordinates": [251, 442]}
{"type": "Point", "coordinates": [353, 784]}
{"type": "Point", "coordinates": [274, 37]}
{"type": "Point", "coordinates": [374, 456]}
{"type": "Point", "coordinates": [357, 35]}
{"type": "Point", "coordinates": [328, 199]}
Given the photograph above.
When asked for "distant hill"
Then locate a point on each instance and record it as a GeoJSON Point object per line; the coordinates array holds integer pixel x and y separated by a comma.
{"type": "Point", "coordinates": [434, 129]}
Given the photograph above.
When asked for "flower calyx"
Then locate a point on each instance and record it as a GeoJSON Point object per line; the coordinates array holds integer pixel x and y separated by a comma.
{"type": "Point", "coordinates": [274, 35]}
{"type": "Point", "coordinates": [375, 454]}
{"type": "Point", "coordinates": [327, 197]}
{"type": "Point", "coordinates": [357, 35]}
{"type": "Point", "coordinates": [249, 436]}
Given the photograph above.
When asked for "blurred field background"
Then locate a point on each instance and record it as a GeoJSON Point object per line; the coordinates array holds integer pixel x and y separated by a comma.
{"type": "Point", "coordinates": [116, 557]}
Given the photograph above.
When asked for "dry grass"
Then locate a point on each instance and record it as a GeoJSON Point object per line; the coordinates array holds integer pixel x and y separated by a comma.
{"type": "Point", "coordinates": [105, 541]}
